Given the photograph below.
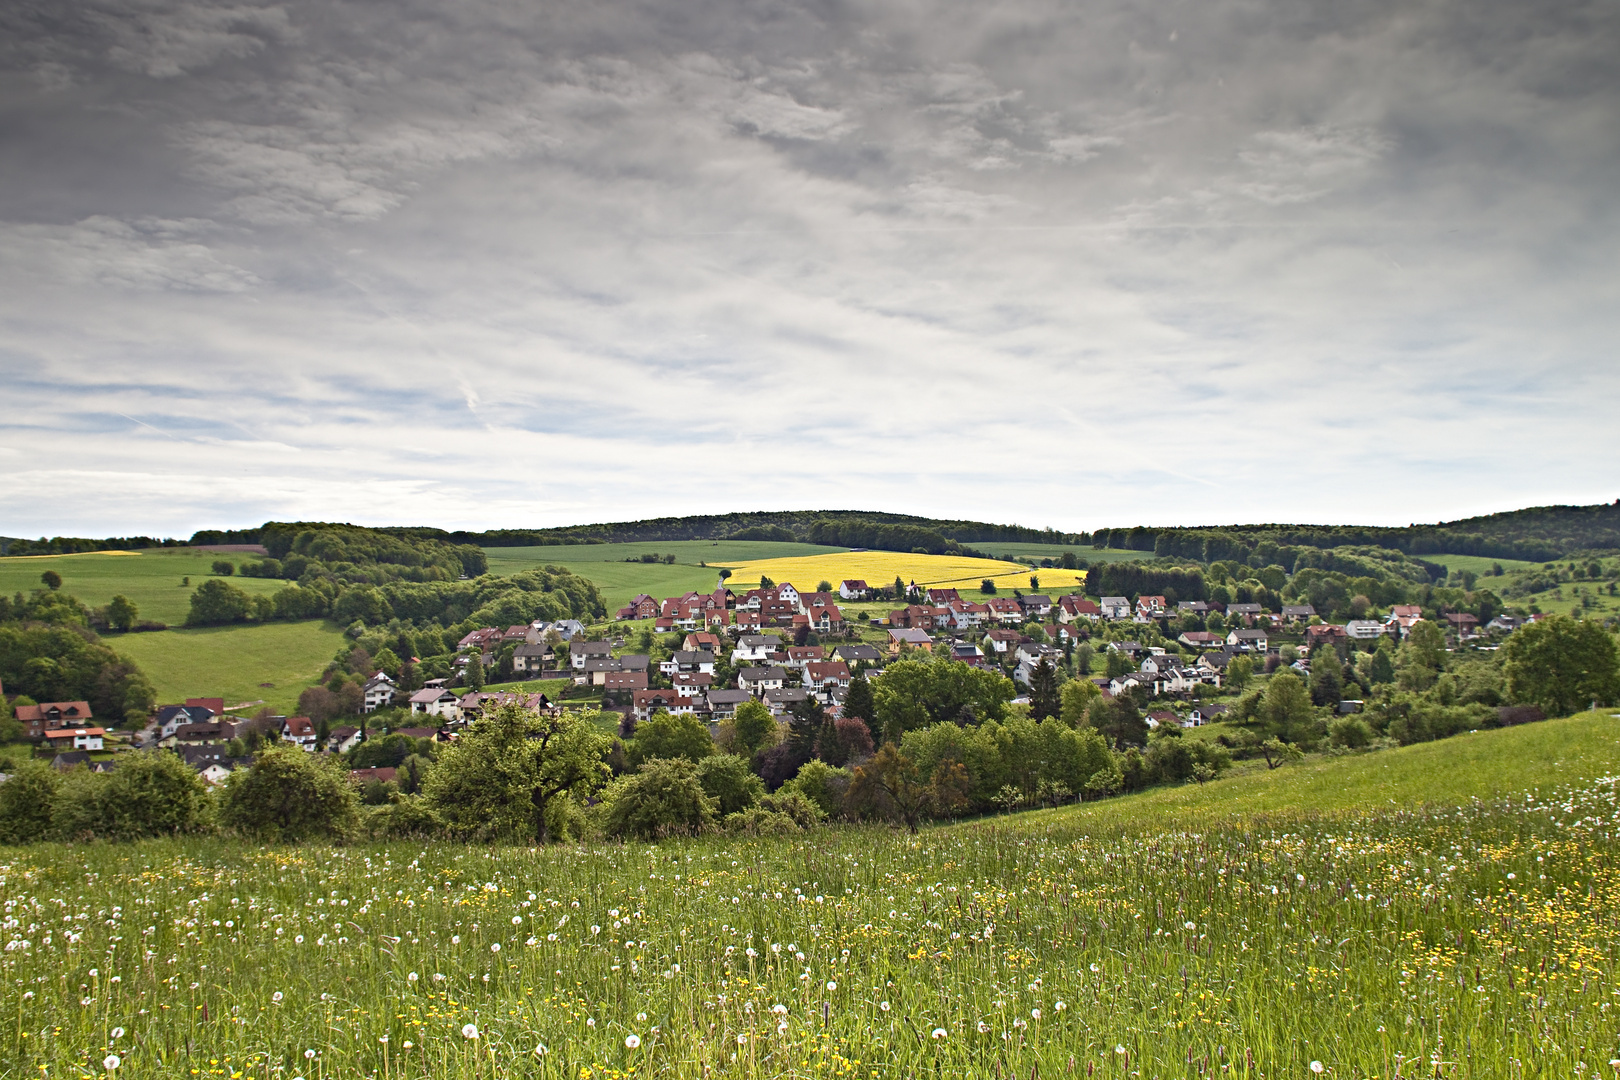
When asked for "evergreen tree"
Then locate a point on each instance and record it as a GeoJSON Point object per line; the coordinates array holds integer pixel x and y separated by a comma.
{"type": "Point", "coordinates": [475, 673]}
{"type": "Point", "coordinates": [1043, 691]}
{"type": "Point", "coordinates": [859, 700]}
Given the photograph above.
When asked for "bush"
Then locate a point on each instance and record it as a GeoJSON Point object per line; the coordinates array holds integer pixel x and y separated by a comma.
{"type": "Point", "coordinates": [1350, 732]}
{"type": "Point", "coordinates": [665, 798]}
{"type": "Point", "coordinates": [824, 786]}
{"type": "Point", "coordinates": [152, 793]}
{"type": "Point", "coordinates": [218, 601]}
{"type": "Point", "coordinates": [666, 736]}
{"type": "Point", "coordinates": [25, 802]}
{"type": "Point", "coordinates": [403, 818]}
{"type": "Point", "coordinates": [727, 780]}
{"type": "Point", "coordinates": [290, 795]}
{"type": "Point", "coordinates": [758, 821]}
{"type": "Point", "coordinates": [224, 567]}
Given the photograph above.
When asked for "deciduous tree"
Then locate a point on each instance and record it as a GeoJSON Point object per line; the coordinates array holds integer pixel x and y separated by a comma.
{"type": "Point", "coordinates": [1562, 664]}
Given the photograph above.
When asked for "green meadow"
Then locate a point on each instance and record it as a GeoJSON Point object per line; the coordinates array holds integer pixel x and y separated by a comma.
{"type": "Point", "coordinates": [152, 579]}
{"type": "Point", "coordinates": [234, 662]}
{"type": "Point", "coordinates": [1442, 910]}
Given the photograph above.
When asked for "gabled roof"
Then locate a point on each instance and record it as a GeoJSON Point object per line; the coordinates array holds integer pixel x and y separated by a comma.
{"type": "Point", "coordinates": [53, 711]}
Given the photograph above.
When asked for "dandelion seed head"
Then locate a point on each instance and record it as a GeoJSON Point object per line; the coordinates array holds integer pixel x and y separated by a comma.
{"type": "Point", "coordinates": [469, 1031]}
{"type": "Point", "coordinates": [1316, 1066]}
{"type": "Point", "coordinates": [111, 1062]}
{"type": "Point", "coordinates": [938, 1033]}
{"type": "Point", "coordinates": [884, 1005]}
{"type": "Point", "coordinates": [632, 1041]}
{"type": "Point", "coordinates": [118, 1033]}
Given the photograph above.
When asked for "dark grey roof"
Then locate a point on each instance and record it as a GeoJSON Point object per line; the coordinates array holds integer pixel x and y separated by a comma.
{"type": "Point", "coordinates": [756, 674]}
{"type": "Point", "coordinates": [728, 697]}
{"type": "Point", "coordinates": [788, 693]}
{"type": "Point", "coordinates": [857, 652]}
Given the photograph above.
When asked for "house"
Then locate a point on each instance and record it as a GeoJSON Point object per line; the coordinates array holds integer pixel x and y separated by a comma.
{"type": "Point", "coordinates": [343, 739]}
{"type": "Point", "coordinates": [1002, 640]}
{"type": "Point", "coordinates": [1249, 640]}
{"type": "Point", "coordinates": [1247, 612]}
{"type": "Point", "coordinates": [83, 738]}
{"type": "Point", "coordinates": [621, 681]}
{"type": "Point", "coordinates": [759, 679]}
{"type": "Point", "coordinates": [195, 734]}
{"type": "Point", "coordinates": [529, 658]}
{"type": "Point", "coordinates": [1120, 685]}
{"type": "Point", "coordinates": [689, 661]}
{"type": "Point", "coordinates": [1505, 623]}
{"type": "Point", "coordinates": [1364, 629]}
{"type": "Point", "coordinates": [1401, 625]}
{"type": "Point", "coordinates": [437, 701]}
{"type": "Point", "coordinates": [783, 699]}
{"type": "Point", "coordinates": [1298, 613]}
{"type": "Point", "coordinates": [38, 719]}
{"type": "Point", "coordinates": [300, 731]}
{"type": "Point", "coordinates": [747, 620]}
{"type": "Point", "coordinates": [822, 677]}
{"type": "Point", "coordinates": [378, 693]}
{"type": "Point", "coordinates": [72, 759]}
{"type": "Point", "coordinates": [826, 619]}
{"type": "Point", "coordinates": [1030, 656]}
{"type": "Point", "coordinates": [646, 702]}
{"type": "Point", "coordinates": [1074, 607]}
{"type": "Point", "coordinates": [1200, 639]}
{"type": "Point", "coordinates": [1215, 662]}
{"type": "Point", "coordinates": [702, 640]}
{"type": "Point", "coordinates": [581, 651]}
{"type": "Point", "coordinates": [1406, 611]}
{"type": "Point", "coordinates": [858, 654]}
{"type": "Point", "coordinates": [170, 718]}
{"type": "Point", "coordinates": [1327, 632]}
{"type": "Point", "coordinates": [909, 639]}
{"type": "Point", "coordinates": [800, 655]}
{"type": "Point", "coordinates": [515, 635]}
{"type": "Point", "coordinates": [1005, 610]}
{"type": "Point", "coordinates": [688, 684]}
{"type": "Point", "coordinates": [1196, 608]}
{"type": "Point", "coordinates": [1115, 607]}
{"type": "Point", "coordinates": [723, 703]}
{"type": "Point", "coordinates": [641, 606]}
{"type": "Point", "coordinates": [965, 615]}
{"type": "Point", "coordinates": [487, 641]}
{"type": "Point", "coordinates": [537, 632]}
{"type": "Point", "coordinates": [1151, 607]}
{"type": "Point", "coordinates": [968, 653]}
{"type": "Point", "coordinates": [597, 669]}
{"type": "Point", "coordinates": [752, 648]}
{"type": "Point", "coordinates": [1463, 624]}
{"type": "Point", "coordinates": [568, 628]}
{"type": "Point", "coordinates": [1207, 714]}
{"type": "Point", "coordinates": [943, 596]}
{"type": "Point", "coordinates": [853, 589]}
{"type": "Point", "coordinates": [1035, 605]}
{"type": "Point", "coordinates": [380, 774]}
{"type": "Point", "coordinates": [433, 733]}
{"type": "Point", "coordinates": [1162, 717]}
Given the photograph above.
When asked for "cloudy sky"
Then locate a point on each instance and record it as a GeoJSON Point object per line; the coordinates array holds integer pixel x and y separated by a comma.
{"type": "Point", "coordinates": [1081, 263]}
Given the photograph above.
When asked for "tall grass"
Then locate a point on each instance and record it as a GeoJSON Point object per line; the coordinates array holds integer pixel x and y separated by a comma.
{"type": "Point", "coordinates": [1476, 941]}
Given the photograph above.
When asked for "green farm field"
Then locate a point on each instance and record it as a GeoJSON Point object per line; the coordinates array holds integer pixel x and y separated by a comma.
{"type": "Point", "coordinates": [233, 661]}
{"type": "Point", "coordinates": [619, 580]}
{"type": "Point", "coordinates": [1054, 552]}
{"type": "Point", "coordinates": [150, 578]}
{"type": "Point", "coordinates": [1465, 929]}
{"type": "Point", "coordinates": [1479, 564]}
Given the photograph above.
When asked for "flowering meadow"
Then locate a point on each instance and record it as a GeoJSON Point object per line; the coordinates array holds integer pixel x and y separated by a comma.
{"type": "Point", "coordinates": [1474, 942]}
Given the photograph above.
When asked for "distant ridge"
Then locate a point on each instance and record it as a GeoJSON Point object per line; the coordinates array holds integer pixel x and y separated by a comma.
{"type": "Point", "coordinates": [1537, 534]}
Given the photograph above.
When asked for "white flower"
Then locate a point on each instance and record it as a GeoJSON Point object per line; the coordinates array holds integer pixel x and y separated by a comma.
{"type": "Point", "coordinates": [938, 1033]}
{"type": "Point", "coordinates": [590, 1021]}
{"type": "Point", "coordinates": [118, 1033]}
{"type": "Point", "coordinates": [455, 939]}
{"type": "Point", "coordinates": [517, 920]}
{"type": "Point", "coordinates": [641, 1018]}
{"type": "Point", "coordinates": [411, 977]}
{"type": "Point", "coordinates": [407, 1044]}
{"type": "Point", "coordinates": [831, 985]}
{"type": "Point", "coordinates": [1316, 1066]}
{"type": "Point", "coordinates": [781, 1027]}
{"type": "Point", "coordinates": [309, 1055]}
{"type": "Point", "coordinates": [495, 947]}
{"type": "Point", "coordinates": [299, 938]}
{"type": "Point", "coordinates": [1096, 967]}
{"type": "Point", "coordinates": [1034, 1014]}
{"type": "Point", "coordinates": [1189, 925]}
{"type": "Point", "coordinates": [540, 1050]}
{"type": "Point", "coordinates": [1119, 1048]}
{"type": "Point", "coordinates": [632, 1041]}
{"type": "Point", "coordinates": [110, 1062]}
{"type": "Point", "coordinates": [94, 973]}
{"type": "Point", "coordinates": [469, 1031]}
{"type": "Point", "coordinates": [742, 1038]}
{"type": "Point", "coordinates": [1058, 1006]}
{"type": "Point", "coordinates": [595, 929]}
{"type": "Point", "coordinates": [276, 997]}
{"type": "Point", "coordinates": [884, 1005]}
{"type": "Point", "coordinates": [984, 1028]}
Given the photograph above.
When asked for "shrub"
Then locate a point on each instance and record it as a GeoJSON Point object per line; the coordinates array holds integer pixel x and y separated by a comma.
{"type": "Point", "coordinates": [224, 567]}
{"type": "Point", "coordinates": [290, 795]}
{"type": "Point", "coordinates": [665, 798]}
{"type": "Point", "coordinates": [727, 780]}
{"type": "Point", "coordinates": [153, 793]}
{"type": "Point", "coordinates": [820, 783]}
{"type": "Point", "coordinates": [25, 802]}
{"type": "Point", "coordinates": [1350, 732]}
{"type": "Point", "coordinates": [666, 736]}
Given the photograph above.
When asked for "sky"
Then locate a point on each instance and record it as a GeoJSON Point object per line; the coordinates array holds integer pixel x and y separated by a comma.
{"type": "Point", "coordinates": [1078, 264]}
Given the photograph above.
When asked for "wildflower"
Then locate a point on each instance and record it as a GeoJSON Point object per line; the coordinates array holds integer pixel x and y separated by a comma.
{"type": "Point", "coordinates": [595, 929]}
{"type": "Point", "coordinates": [309, 1055]}
{"type": "Point", "coordinates": [495, 946]}
{"type": "Point", "coordinates": [540, 1050]}
{"type": "Point", "coordinates": [1189, 925]}
{"type": "Point", "coordinates": [469, 1031]}
{"type": "Point", "coordinates": [632, 1041]}
{"type": "Point", "coordinates": [383, 1039]}
{"type": "Point", "coordinates": [1034, 1014]}
{"type": "Point", "coordinates": [411, 977]}
{"type": "Point", "coordinates": [1058, 1006]}
{"type": "Point", "coordinates": [407, 1044]}
{"type": "Point", "coordinates": [110, 1062]}
{"type": "Point", "coordinates": [1096, 967]}
{"type": "Point", "coordinates": [517, 920]}
{"type": "Point", "coordinates": [831, 985]}
{"type": "Point", "coordinates": [781, 1027]}
{"type": "Point", "coordinates": [884, 1005]}
{"type": "Point", "coordinates": [1316, 1066]}
{"type": "Point", "coordinates": [276, 997]}
{"type": "Point", "coordinates": [590, 1021]}
{"type": "Point", "coordinates": [984, 1028]}
{"type": "Point", "coordinates": [455, 939]}
{"type": "Point", "coordinates": [118, 1033]}
{"type": "Point", "coordinates": [641, 1018]}
{"type": "Point", "coordinates": [94, 972]}
{"type": "Point", "coordinates": [742, 1038]}
{"type": "Point", "coordinates": [938, 1033]}
{"type": "Point", "coordinates": [299, 938]}
{"type": "Point", "coordinates": [1119, 1048]}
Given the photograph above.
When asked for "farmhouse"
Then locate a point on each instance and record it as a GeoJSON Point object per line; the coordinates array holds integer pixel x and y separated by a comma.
{"type": "Point", "coordinates": [84, 738]}
{"type": "Point", "coordinates": [37, 719]}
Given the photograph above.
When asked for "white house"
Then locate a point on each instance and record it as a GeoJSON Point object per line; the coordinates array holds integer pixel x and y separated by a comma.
{"type": "Point", "coordinates": [379, 692]}
{"type": "Point", "coordinates": [757, 680]}
{"type": "Point", "coordinates": [437, 701]}
{"type": "Point", "coordinates": [753, 648]}
{"type": "Point", "coordinates": [853, 589]}
{"type": "Point", "coordinates": [1364, 629]}
{"type": "Point", "coordinates": [1115, 607]}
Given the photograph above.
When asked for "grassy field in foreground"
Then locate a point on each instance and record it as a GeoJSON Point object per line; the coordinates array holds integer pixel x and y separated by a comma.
{"type": "Point", "coordinates": [233, 661]}
{"type": "Point", "coordinates": [1462, 939]}
{"type": "Point", "coordinates": [150, 578]}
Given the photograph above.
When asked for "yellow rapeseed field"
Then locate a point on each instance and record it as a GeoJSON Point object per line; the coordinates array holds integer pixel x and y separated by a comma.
{"type": "Point", "coordinates": [880, 568]}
